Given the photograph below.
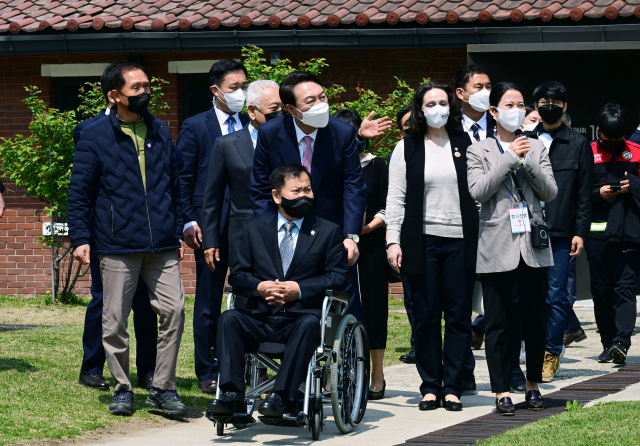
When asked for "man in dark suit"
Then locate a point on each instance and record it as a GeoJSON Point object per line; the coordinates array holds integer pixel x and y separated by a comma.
{"type": "Point", "coordinates": [228, 80]}
{"type": "Point", "coordinates": [230, 166]}
{"type": "Point", "coordinates": [145, 321]}
{"type": "Point", "coordinates": [327, 147]}
{"type": "Point", "coordinates": [284, 264]}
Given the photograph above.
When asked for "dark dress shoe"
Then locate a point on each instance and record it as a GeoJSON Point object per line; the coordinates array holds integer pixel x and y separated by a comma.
{"type": "Point", "coordinates": [379, 394]}
{"type": "Point", "coordinates": [505, 406]}
{"type": "Point", "coordinates": [534, 400]}
{"type": "Point", "coordinates": [469, 387]}
{"type": "Point", "coordinates": [209, 386]}
{"type": "Point", "coordinates": [618, 353]}
{"type": "Point", "coordinates": [452, 406]}
{"type": "Point", "coordinates": [228, 404]}
{"type": "Point", "coordinates": [574, 336]}
{"type": "Point", "coordinates": [476, 340]}
{"type": "Point", "coordinates": [145, 383]}
{"type": "Point", "coordinates": [517, 381]}
{"type": "Point", "coordinates": [429, 405]}
{"type": "Point", "coordinates": [94, 381]}
{"type": "Point", "coordinates": [604, 356]}
{"type": "Point", "coordinates": [409, 358]}
{"type": "Point", "coordinates": [272, 406]}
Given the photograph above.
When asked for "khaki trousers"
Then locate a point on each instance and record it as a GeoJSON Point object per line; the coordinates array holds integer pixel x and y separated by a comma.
{"type": "Point", "coordinates": [161, 273]}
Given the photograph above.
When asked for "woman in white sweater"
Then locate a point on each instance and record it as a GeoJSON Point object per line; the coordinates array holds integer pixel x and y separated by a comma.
{"type": "Point", "coordinates": [432, 234]}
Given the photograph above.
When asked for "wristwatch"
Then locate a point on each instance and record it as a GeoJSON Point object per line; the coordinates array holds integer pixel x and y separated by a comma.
{"type": "Point", "coordinates": [354, 237]}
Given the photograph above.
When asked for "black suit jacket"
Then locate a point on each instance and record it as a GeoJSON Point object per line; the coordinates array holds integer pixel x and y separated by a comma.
{"type": "Point", "coordinates": [195, 141]}
{"type": "Point", "coordinates": [319, 262]}
{"type": "Point", "coordinates": [230, 165]}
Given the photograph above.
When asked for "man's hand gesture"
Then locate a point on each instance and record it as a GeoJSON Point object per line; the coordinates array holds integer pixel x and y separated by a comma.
{"type": "Point", "coordinates": [371, 128]}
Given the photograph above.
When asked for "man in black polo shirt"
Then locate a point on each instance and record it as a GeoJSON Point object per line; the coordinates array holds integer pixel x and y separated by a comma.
{"type": "Point", "coordinates": [568, 215]}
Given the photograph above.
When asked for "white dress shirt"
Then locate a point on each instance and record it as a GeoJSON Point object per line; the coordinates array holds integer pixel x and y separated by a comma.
{"type": "Point", "coordinates": [467, 122]}
{"type": "Point", "coordinates": [254, 135]}
{"type": "Point", "coordinates": [222, 119]}
{"type": "Point", "coordinates": [302, 146]}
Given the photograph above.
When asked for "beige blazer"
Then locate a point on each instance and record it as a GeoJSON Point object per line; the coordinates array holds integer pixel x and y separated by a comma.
{"type": "Point", "coordinates": [489, 177]}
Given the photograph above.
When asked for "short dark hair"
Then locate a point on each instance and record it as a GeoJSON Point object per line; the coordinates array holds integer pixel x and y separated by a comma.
{"type": "Point", "coordinates": [104, 80]}
{"type": "Point", "coordinates": [290, 81]}
{"type": "Point", "coordinates": [612, 121]}
{"type": "Point", "coordinates": [280, 174]}
{"type": "Point", "coordinates": [349, 116]}
{"type": "Point", "coordinates": [462, 76]}
{"type": "Point", "coordinates": [403, 111]}
{"type": "Point", "coordinates": [417, 122]}
{"type": "Point", "coordinates": [223, 67]}
{"type": "Point", "coordinates": [499, 90]}
{"type": "Point", "coordinates": [114, 74]}
{"type": "Point", "coordinates": [550, 89]}
{"type": "Point", "coordinates": [529, 108]}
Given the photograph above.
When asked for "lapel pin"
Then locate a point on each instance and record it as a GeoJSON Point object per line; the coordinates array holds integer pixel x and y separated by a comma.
{"type": "Point", "coordinates": [149, 145]}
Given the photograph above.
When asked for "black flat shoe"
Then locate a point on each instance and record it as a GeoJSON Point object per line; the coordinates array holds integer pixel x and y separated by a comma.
{"type": "Point", "coordinates": [409, 358]}
{"type": "Point", "coordinates": [93, 381]}
{"type": "Point", "coordinates": [534, 400]}
{"type": "Point", "coordinates": [505, 406]}
{"type": "Point", "coordinates": [379, 394]}
{"type": "Point", "coordinates": [429, 405]}
{"type": "Point", "coordinates": [452, 406]}
{"type": "Point", "coordinates": [272, 406]}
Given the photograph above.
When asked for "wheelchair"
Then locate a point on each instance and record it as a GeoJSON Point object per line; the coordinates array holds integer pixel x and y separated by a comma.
{"type": "Point", "coordinates": [343, 352]}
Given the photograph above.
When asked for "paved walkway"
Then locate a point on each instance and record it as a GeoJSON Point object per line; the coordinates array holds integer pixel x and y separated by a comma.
{"type": "Point", "coordinates": [396, 418]}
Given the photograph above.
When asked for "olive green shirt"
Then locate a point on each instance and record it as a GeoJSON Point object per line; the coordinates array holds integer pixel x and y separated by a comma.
{"type": "Point", "coordinates": [137, 131]}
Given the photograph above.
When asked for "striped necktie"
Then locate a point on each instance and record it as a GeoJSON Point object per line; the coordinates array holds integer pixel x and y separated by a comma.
{"type": "Point", "coordinates": [286, 252]}
{"type": "Point", "coordinates": [475, 127]}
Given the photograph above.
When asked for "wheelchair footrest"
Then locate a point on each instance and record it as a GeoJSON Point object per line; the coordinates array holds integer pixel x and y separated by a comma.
{"type": "Point", "coordinates": [236, 418]}
{"type": "Point", "coordinates": [291, 420]}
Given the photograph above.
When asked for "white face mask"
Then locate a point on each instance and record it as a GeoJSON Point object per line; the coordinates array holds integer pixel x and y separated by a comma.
{"type": "Point", "coordinates": [436, 116]}
{"type": "Point", "coordinates": [530, 127]}
{"type": "Point", "coordinates": [510, 120]}
{"type": "Point", "coordinates": [479, 101]}
{"type": "Point", "coordinates": [317, 116]}
{"type": "Point", "coordinates": [235, 99]}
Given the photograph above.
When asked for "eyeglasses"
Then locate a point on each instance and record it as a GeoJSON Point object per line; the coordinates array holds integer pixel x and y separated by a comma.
{"type": "Point", "coordinates": [543, 102]}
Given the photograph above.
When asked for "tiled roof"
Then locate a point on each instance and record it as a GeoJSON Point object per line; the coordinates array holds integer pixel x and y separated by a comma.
{"type": "Point", "coordinates": [182, 15]}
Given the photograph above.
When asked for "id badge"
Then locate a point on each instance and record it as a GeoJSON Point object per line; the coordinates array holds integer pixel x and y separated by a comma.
{"type": "Point", "coordinates": [519, 220]}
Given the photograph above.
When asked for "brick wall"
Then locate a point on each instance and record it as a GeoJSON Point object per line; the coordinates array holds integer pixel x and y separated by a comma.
{"type": "Point", "coordinates": [25, 266]}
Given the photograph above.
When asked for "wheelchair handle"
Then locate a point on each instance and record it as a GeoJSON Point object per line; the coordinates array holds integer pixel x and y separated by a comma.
{"type": "Point", "coordinates": [338, 295]}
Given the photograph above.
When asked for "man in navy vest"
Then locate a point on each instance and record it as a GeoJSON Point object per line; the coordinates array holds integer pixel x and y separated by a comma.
{"type": "Point", "coordinates": [228, 80]}
{"type": "Point", "coordinates": [145, 321]}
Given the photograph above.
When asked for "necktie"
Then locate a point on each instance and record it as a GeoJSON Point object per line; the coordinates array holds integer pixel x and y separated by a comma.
{"type": "Point", "coordinates": [286, 252]}
{"type": "Point", "coordinates": [307, 156]}
{"type": "Point", "coordinates": [231, 122]}
{"type": "Point", "coordinates": [475, 127]}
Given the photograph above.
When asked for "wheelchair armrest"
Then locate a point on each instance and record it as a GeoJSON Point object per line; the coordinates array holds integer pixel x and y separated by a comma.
{"type": "Point", "coordinates": [228, 289]}
{"type": "Point", "coordinates": [338, 295]}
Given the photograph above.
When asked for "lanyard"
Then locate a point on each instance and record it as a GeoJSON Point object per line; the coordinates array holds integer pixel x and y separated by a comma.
{"type": "Point", "coordinates": [515, 179]}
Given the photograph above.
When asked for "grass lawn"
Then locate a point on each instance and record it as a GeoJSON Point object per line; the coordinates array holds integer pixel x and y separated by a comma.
{"type": "Point", "coordinates": [601, 425]}
{"type": "Point", "coordinates": [41, 397]}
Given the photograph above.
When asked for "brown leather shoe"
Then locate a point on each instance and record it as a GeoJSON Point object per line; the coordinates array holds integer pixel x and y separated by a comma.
{"type": "Point", "coordinates": [209, 386]}
{"type": "Point", "coordinates": [505, 406]}
{"type": "Point", "coordinates": [574, 336]}
{"type": "Point", "coordinates": [534, 400]}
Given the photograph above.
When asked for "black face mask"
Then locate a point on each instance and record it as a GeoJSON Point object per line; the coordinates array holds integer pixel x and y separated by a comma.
{"type": "Point", "coordinates": [138, 104]}
{"type": "Point", "coordinates": [362, 145]}
{"type": "Point", "coordinates": [550, 113]}
{"type": "Point", "coordinates": [612, 146]}
{"type": "Point", "coordinates": [275, 114]}
{"type": "Point", "coordinates": [298, 207]}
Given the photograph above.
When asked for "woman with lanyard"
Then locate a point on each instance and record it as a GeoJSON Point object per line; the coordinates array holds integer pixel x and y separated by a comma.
{"type": "Point", "coordinates": [432, 235]}
{"type": "Point", "coordinates": [509, 175]}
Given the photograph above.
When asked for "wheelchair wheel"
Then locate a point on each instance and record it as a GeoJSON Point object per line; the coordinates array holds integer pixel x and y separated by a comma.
{"type": "Point", "coordinates": [316, 423]}
{"type": "Point", "coordinates": [349, 374]}
{"type": "Point", "coordinates": [219, 429]}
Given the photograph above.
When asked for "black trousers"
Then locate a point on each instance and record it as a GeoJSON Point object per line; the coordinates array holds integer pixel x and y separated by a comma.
{"type": "Point", "coordinates": [206, 309]}
{"type": "Point", "coordinates": [445, 287]}
{"type": "Point", "coordinates": [374, 288]}
{"type": "Point", "coordinates": [240, 333]}
{"type": "Point", "coordinates": [614, 278]}
{"type": "Point", "coordinates": [497, 289]}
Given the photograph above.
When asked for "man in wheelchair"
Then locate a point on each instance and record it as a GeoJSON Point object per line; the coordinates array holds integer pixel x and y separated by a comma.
{"type": "Point", "coordinates": [285, 262]}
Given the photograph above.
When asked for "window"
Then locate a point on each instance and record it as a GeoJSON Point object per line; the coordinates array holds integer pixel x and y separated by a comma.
{"type": "Point", "coordinates": [196, 94]}
{"type": "Point", "coordinates": [66, 91]}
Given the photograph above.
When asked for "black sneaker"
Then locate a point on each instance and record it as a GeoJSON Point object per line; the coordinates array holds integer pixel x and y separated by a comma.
{"type": "Point", "coordinates": [618, 353]}
{"type": "Point", "coordinates": [167, 400]}
{"type": "Point", "coordinates": [409, 358]}
{"type": "Point", "coordinates": [122, 403]}
{"type": "Point", "coordinates": [604, 356]}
